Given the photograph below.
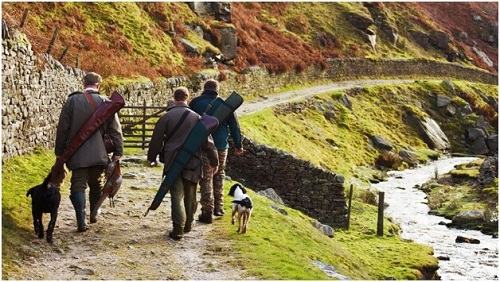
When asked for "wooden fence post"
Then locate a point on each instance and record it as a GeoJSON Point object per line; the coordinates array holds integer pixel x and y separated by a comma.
{"type": "Point", "coordinates": [56, 32]}
{"type": "Point", "coordinates": [380, 220]}
{"type": "Point", "coordinates": [23, 20]}
{"type": "Point", "coordinates": [349, 208]}
{"type": "Point", "coordinates": [144, 125]}
{"type": "Point", "coordinates": [64, 52]}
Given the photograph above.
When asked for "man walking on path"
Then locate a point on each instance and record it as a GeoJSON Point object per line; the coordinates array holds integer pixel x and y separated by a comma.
{"type": "Point", "coordinates": [89, 161]}
{"type": "Point", "coordinates": [212, 188]}
{"type": "Point", "coordinates": [170, 132]}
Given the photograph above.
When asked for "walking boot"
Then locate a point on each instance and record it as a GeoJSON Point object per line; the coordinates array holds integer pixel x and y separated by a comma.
{"type": "Point", "coordinates": [206, 218]}
{"type": "Point", "coordinates": [177, 233]}
{"type": "Point", "coordinates": [218, 212]}
{"type": "Point", "coordinates": [94, 198]}
{"type": "Point", "coordinates": [78, 201]}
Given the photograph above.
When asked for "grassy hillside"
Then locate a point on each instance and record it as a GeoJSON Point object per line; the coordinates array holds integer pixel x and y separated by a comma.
{"type": "Point", "coordinates": [143, 38]}
{"type": "Point", "coordinates": [337, 138]}
{"type": "Point", "coordinates": [133, 40]}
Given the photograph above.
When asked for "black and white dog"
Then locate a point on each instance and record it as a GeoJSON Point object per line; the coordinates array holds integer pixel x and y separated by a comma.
{"type": "Point", "coordinates": [242, 204]}
{"type": "Point", "coordinates": [45, 198]}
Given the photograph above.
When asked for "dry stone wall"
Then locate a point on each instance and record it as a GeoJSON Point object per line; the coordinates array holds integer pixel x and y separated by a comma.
{"type": "Point", "coordinates": [314, 191]}
{"type": "Point", "coordinates": [31, 97]}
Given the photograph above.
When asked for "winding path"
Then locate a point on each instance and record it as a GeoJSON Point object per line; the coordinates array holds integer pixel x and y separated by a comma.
{"type": "Point", "coordinates": [289, 96]}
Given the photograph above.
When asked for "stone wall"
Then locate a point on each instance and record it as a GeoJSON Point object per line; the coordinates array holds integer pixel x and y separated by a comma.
{"type": "Point", "coordinates": [302, 186]}
{"type": "Point", "coordinates": [31, 97]}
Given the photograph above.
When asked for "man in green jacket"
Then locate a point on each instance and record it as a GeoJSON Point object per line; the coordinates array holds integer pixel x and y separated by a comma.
{"type": "Point", "coordinates": [89, 161]}
{"type": "Point", "coordinates": [212, 188]}
{"type": "Point", "coordinates": [171, 131]}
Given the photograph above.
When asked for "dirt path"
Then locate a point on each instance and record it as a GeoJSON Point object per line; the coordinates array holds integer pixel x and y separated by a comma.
{"type": "Point", "coordinates": [289, 96]}
{"type": "Point", "coordinates": [124, 245]}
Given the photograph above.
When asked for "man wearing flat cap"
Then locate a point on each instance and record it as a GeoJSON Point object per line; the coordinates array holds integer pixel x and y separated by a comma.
{"type": "Point", "coordinates": [89, 161]}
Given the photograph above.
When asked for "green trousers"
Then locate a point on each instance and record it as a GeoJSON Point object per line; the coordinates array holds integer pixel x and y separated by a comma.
{"type": "Point", "coordinates": [183, 204]}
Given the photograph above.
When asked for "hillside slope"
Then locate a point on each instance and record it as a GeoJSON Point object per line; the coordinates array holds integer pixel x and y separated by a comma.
{"type": "Point", "coordinates": [173, 38]}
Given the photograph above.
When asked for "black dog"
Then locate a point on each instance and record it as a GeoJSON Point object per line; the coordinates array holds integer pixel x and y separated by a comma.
{"type": "Point", "coordinates": [45, 198]}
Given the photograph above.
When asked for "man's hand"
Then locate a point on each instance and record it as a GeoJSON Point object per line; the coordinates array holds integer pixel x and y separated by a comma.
{"type": "Point", "coordinates": [238, 151]}
{"type": "Point", "coordinates": [214, 169]}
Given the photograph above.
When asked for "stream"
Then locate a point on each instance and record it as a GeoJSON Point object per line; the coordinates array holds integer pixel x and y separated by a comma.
{"type": "Point", "coordinates": [408, 208]}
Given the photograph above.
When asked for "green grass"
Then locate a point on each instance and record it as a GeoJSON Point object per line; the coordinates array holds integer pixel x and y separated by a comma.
{"type": "Point", "coordinates": [281, 247]}
{"type": "Point", "coordinates": [456, 192]}
{"type": "Point", "coordinates": [276, 246]}
{"type": "Point", "coordinates": [18, 175]}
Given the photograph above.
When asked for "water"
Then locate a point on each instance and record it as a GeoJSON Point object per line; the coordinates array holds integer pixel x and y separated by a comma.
{"type": "Point", "coordinates": [407, 206]}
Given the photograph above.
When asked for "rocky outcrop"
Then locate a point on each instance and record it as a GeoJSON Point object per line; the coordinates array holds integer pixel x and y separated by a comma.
{"type": "Point", "coordinates": [479, 139]}
{"type": "Point", "coordinates": [488, 172]}
{"type": "Point", "coordinates": [433, 135]}
{"type": "Point", "coordinates": [382, 20]}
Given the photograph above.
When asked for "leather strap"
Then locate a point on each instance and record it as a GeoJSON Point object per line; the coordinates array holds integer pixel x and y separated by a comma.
{"type": "Point", "coordinates": [183, 117]}
{"type": "Point", "coordinates": [90, 99]}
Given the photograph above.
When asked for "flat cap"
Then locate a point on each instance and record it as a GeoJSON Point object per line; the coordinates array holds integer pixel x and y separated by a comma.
{"type": "Point", "coordinates": [92, 78]}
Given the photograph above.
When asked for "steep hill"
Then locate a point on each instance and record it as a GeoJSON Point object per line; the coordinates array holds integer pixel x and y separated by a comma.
{"type": "Point", "coordinates": [156, 39]}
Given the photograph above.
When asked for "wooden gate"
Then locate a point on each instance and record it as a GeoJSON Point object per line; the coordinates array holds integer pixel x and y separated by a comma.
{"type": "Point", "coordinates": [138, 124]}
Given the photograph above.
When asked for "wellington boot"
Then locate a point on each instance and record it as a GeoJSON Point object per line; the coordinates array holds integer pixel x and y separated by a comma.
{"type": "Point", "coordinates": [78, 201]}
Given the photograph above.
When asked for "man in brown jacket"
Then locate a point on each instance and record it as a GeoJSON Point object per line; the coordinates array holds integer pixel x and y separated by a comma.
{"type": "Point", "coordinates": [88, 163]}
{"type": "Point", "coordinates": [175, 127]}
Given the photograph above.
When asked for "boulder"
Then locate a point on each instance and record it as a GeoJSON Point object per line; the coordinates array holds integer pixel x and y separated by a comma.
{"type": "Point", "coordinates": [479, 147]}
{"type": "Point", "coordinates": [488, 172]}
{"type": "Point", "coordinates": [408, 157]}
{"type": "Point", "coordinates": [422, 39]}
{"type": "Point", "coordinates": [380, 143]}
{"type": "Point", "coordinates": [190, 47]}
{"type": "Point", "coordinates": [461, 239]}
{"type": "Point", "coordinates": [433, 135]}
{"type": "Point", "coordinates": [344, 100]}
{"type": "Point", "coordinates": [441, 39]}
{"type": "Point", "coordinates": [492, 143]}
{"type": "Point", "coordinates": [271, 194]}
{"type": "Point", "coordinates": [325, 229]}
{"type": "Point", "coordinates": [222, 11]}
{"type": "Point", "coordinates": [468, 217]}
{"type": "Point", "coordinates": [359, 21]}
{"type": "Point", "coordinates": [228, 41]}
{"type": "Point", "coordinates": [474, 133]}
{"type": "Point", "coordinates": [442, 101]}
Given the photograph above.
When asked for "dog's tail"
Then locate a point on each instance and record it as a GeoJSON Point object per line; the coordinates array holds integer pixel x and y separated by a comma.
{"type": "Point", "coordinates": [30, 192]}
{"type": "Point", "coordinates": [247, 203]}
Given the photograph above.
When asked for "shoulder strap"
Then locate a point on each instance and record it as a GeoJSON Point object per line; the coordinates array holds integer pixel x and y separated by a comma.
{"type": "Point", "coordinates": [183, 117]}
{"type": "Point", "coordinates": [89, 99]}
{"type": "Point", "coordinates": [210, 105]}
